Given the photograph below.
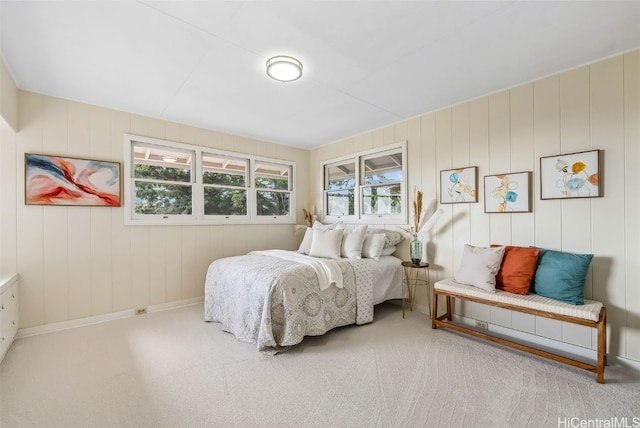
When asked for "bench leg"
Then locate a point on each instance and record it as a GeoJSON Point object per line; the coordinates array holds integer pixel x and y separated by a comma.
{"type": "Point", "coordinates": [434, 309]}
{"type": "Point", "coordinates": [602, 345]}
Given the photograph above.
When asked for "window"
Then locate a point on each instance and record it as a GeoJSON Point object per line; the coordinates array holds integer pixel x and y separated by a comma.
{"type": "Point", "coordinates": [162, 181]}
{"type": "Point", "coordinates": [340, 186]}
{"type": "Point", "coordinates": [382, 178]}
{"type": "Point", "coordinates": [174, 183]}
{"type": "Point", "coordinates": [368, 186]}
{"type": "Point", "coordinates": [273, 189]}
{"type": "Point", "coordinates": [225, 185]}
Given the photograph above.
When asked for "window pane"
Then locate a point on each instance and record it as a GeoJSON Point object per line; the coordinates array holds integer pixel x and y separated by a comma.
{"type": "Point", "coordinates": [272, 176]}
{"type": "Point", "coordinates": [383, 169]}
{"type": "Point", "coordinates": [209, 177]}
{"type": "Point", "coordinates": [340, 202]}
{"type": "Point", "coordinates": [162, 173]}
{"type": "Point", "coordinates": [340, 176]}
{"type": "Point", "coordinates": [225, 201]}
{"type": "Point", "coordinates": [272, 183]}
{"type": "Point", "coordinates": [381, 200]}
{"type": "Point", "coordinates": [225, 171]}
{"type": "Point", "coordinates": [167, 199]}
{"type": "Point", "coordinates": [273, 203]}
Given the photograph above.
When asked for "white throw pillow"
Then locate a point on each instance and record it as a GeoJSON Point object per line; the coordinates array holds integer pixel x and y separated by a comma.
{"type": "Point", "coordinates": [392, 238]}
{"type": "Point", "coordinates": [372, 246]}
{"type": "Point", "coordinates": [388, 251]}
{"type": "Point", "coordinates": [479, 266]}
{"type": "Point", "coordinates": [305, 245]}
{"type": "Point", "coordinates": [352, 242]}
{"type": "Point", "coordinates": [326, 243]}
{"type": "Point", "coordinates": [330, 226]}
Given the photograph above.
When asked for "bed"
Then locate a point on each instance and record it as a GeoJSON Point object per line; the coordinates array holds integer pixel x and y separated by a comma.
{"type": "Point", "coordinates": [275, 298]}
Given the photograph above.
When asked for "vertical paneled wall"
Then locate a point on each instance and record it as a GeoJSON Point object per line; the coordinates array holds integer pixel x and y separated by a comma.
{"type": "Point", "coordinates": [8, 127]}
{"type": "Point", "coordinates": [592, 107]}
{"type": "Point", "coordinates": [7, 199]}
{"type": "Point", "coordinates": [77, 262]}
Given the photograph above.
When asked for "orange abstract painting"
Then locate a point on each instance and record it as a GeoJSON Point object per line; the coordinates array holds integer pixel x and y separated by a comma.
{"type": "Point", "coordinates": [55, 180]}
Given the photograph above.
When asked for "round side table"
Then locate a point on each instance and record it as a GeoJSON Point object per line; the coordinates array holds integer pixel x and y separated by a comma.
{"type": "Point", "coordinates": [414, 275]}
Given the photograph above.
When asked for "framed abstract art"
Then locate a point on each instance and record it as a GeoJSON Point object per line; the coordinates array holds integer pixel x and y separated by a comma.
{"type": "Point", "coordinates": [574, 175]}
{"type": "Point", "coordinates": [57, 180]}
{"type": "Point", "coordinates": [507, 193]}
{"type": "Point", "coordinates": [459, 185]}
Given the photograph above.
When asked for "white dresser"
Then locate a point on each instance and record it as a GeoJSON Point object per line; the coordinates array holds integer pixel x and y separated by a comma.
{"type": "Point", "coordinates": [9, 316]}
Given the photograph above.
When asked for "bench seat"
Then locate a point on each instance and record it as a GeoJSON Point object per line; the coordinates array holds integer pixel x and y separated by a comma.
{"type": "Point", "coordinates": [591, 314]}
{"type": "Point", "coordinates": [589, 311]}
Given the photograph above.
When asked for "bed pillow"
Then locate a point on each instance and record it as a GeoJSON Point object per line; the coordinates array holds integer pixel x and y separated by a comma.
{"type": "Point", "coordinates": [388, 251]}
{"type": "Point", "coordinates": [326, 243]}
{"type": "Point", "coordinates": [561, 276]}
{"type": "Point", "coordinates": [391, 237]}
{"type": "Point", "coordinates": [305, 245]}
{"type": "Point", "coordinates": [352, 241]}
{"type": "Point", "coordinates": [330, 226]}
{"type": "Point", "coordinates": [517, 270]}
{"type": "Point", "coordinates": [373, 245]}
{"type": "Point", "coordinates": [480, 266]}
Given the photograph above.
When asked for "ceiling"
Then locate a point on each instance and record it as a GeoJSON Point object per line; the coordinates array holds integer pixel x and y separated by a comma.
{"type": "Point", "coordinates": [366, 64]}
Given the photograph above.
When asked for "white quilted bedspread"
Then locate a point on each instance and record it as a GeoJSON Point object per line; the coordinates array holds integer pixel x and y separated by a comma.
{"type": "Point", "coordinates": [274, 302]}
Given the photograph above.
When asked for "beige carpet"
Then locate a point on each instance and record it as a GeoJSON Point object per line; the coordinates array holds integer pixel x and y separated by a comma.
{"type": "Point", "coordinates": [171, 369]}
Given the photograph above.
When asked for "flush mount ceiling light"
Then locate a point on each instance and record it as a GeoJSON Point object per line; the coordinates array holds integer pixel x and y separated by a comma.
{"type": "Point", "coordinates": [168, 158]}
{"type": "Point", "coordinates": [284, 68]}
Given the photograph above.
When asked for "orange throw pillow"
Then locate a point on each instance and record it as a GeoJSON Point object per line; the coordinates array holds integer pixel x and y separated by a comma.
{"type": "Point", "coordinates": [517, 270]}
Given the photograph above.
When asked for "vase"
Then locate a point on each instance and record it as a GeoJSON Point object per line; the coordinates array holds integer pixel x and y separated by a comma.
{"type": "Point", "coordinates": [415, 251]}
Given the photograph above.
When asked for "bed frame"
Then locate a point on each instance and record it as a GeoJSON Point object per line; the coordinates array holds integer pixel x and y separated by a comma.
{"type": "Point", "coordinates": [462, 293]}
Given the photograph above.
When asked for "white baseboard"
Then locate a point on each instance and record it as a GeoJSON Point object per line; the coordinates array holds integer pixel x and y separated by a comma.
{"type": "Point", "coordinates": [64, 325]}
{"type": "Point", "coordinates": [628, 364]}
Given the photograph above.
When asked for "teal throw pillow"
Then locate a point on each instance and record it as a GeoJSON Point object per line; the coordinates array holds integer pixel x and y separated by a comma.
{"type": "Point", "coordinates": [561, 276]}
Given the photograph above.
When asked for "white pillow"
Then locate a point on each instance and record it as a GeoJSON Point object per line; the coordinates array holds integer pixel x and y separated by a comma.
{"type": "Point", "coordinates": [330, 226]}
{"type": "Point", "coordinates": [305, 245]}
{"type": "Point", "coordinates": [326, 243]}
{"type": "Point", "coordinates": [372, 246]}
{"type": "Point", "coordinates": [352, 242]}
{"type": "Point", "coordinates": [480, 266]}
{"type": "Point", "coordinates": [388, 251]}
{"type": "Point", "coordinates": [392, 238]}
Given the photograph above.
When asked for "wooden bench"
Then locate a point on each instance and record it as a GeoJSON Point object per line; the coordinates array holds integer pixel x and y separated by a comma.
{"type": "Point", "coordinates": [591, 314]}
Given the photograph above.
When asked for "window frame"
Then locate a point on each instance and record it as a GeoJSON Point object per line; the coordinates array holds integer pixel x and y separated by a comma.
{"type": "Point", "coordinates": [134, 180]}
{"type": "Point", "coordinates": [247, 187]}
{"type": "Point", "coordinates": [291, 167]}
{"type": "Point", "coordinates": [359, 216]}
{"type": "Point", "coordinates": [197, 216]}
{"type": "Point", "coordinates": [356, 190]}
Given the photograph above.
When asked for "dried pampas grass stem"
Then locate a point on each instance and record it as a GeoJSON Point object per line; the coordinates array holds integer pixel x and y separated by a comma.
{"type": "Point", "coordinates": [417, 210]}
{"type": "Point", "coordinates": [309, 216]}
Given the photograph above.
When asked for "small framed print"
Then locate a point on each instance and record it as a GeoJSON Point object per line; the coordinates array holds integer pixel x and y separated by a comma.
{"type": "Point", "coordinates": [459, 185]}
{"type": "Point", "coordinates": [57, 180]}
{"type": "Point", "coordinates": [507, 193]}
{"type": "Point", "coordinates": [574, 175]}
